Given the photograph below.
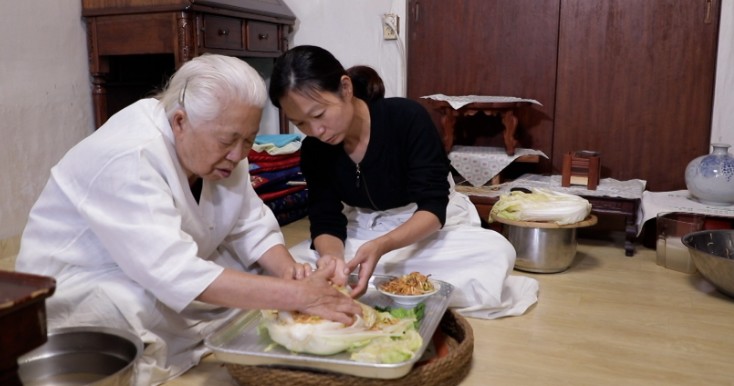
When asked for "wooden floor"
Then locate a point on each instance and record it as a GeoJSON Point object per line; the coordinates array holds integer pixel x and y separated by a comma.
{"type": "Point", "coordinates": [608, 320]}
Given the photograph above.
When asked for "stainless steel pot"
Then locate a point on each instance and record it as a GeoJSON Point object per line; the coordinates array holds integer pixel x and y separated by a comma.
{"type": "Point", "coordinates": [542, 250]}
{"type": "Point", "coordinates": [98, 356]}
{"type": "Point", "coordinates": [543, 247]}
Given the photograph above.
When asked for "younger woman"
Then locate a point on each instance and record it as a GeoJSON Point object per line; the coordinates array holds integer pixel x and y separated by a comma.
{"type": "Point", "coordinates": [380, 195]}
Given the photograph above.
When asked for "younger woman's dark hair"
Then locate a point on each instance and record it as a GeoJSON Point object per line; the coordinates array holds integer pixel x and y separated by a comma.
{"type": "Point", "coordinates": [310, 69]}
{"type": "Point", "coordinates": [367, 83]}
{"type": "Point", "coordinates": [306, 69]}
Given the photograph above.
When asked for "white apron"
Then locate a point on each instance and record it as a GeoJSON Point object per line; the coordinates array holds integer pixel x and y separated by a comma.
{"type": "Point", "coordinates": [476, 261]}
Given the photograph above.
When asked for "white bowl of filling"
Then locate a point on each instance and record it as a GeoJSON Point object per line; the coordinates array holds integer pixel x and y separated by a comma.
{"type": "Point", "coordinates": [408, 290]}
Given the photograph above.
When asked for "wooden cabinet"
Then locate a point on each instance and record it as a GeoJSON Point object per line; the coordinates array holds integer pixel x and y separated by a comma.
{"type": "Point", "coordinates": [136, 45]}
{"type": "Point", "coordinates": [631, 79]}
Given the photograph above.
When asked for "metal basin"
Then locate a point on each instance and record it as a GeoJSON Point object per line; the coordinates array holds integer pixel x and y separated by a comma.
{"type": "Point", "coordinates": [712, 252]}
{"type": "Point", "coordinates": [98, 356]}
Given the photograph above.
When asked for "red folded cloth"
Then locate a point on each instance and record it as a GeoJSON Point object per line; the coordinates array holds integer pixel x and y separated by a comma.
{"type": "Point", "coordinates": [255, 156]}
{"type": "Point", "coordinates": [264, 162]}
{"type": "Point", "coordinates": [280, 193]}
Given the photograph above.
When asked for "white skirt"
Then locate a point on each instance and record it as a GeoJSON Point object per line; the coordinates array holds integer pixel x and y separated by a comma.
{"type": "Point", "coordinates": [105, 296]}
{"type": "Point", "coordinates": [476, 261]}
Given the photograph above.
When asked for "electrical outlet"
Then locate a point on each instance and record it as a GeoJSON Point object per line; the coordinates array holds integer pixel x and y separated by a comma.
{"type": "Point", "coordinates": [390, 26]}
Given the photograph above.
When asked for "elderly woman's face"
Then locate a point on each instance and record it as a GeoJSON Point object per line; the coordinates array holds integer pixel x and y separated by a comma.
{"type": "Point", "coordinates": [213, 149]}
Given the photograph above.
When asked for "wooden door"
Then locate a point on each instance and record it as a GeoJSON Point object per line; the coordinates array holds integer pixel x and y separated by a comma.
{"type": "Point", "coordinates": [635, 82]}
{"type": "Point", "coordinates": [632, 79]}
{"type": "Point", "coordinates": [487, 47]}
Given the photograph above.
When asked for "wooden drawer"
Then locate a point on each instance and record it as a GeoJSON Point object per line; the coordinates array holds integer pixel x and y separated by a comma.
{"type": "Point", "coordinates": [151, 33]}
{"type": "Point", "coordinates": [223, 32]}
{"type": "Point", "coordinates": [262, 36]}
{"type": "Point", "coordinates": [613, 205]}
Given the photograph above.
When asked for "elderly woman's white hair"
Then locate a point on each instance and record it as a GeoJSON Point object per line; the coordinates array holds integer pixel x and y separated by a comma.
{"type": "Point", "coordinates": [205, 85]}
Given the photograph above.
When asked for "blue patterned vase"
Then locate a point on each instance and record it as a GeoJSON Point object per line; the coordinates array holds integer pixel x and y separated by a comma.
{"type": "Point", "coordinates": [710, 178]}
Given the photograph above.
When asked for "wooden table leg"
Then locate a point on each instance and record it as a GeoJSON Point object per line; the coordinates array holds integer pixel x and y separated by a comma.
{"type": "Point", "coordinates": [99, 69]}
{"type": "Point", "coordinates": [448, 123]}
{"type": "Point", "coordinates": [510, 121]}
{"type": "Point", "coordinates": [631, 234]}
{"type": "Point", "coordinates": [99, 98]}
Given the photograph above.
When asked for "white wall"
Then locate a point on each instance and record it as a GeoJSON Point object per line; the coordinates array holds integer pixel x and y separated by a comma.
{"type": "Point", "coordinates": [352, 31]}
{"type": "Point", "coordinates": [45, 103]}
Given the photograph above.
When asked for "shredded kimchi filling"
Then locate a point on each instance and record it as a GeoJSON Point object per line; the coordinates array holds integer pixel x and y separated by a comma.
{"type": "Point", "coordinates": [413, 283]}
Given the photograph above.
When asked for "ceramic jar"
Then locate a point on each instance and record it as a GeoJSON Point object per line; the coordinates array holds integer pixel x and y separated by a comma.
{"type": "Point", "coordinates": [710, 178]}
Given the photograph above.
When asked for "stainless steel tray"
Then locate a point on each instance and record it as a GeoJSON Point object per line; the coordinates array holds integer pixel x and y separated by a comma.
{"type": "Point", "coordinates": [239, 341]}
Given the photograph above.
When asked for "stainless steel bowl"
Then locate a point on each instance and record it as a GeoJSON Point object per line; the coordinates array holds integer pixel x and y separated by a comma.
{"type": "Point", "coordinates": [712, 252]}
{"type": "Point", "coordinates": [98, 356]}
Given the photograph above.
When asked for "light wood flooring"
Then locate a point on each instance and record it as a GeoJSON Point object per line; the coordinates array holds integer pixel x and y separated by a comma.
{"type": "Point", "coordinates": [608, 320]}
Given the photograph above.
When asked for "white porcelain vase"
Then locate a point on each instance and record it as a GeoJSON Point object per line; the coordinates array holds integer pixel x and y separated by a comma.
{"type": "Point", "coordinates": [710, 178]}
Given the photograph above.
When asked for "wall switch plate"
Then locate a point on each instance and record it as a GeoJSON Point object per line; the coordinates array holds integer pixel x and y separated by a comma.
{"type": "Point", "coordinates": [390, 26]}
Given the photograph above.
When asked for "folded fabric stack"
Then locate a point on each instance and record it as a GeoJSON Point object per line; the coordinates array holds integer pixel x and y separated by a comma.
{"type": "Point", "coordinates": [275, 173]}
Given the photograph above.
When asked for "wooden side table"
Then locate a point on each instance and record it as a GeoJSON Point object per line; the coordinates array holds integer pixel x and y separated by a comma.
{"type": "Point", "coordinates": [505, 110]}
{"type": "Point", "coordinates": [125, 37]}
{"type": "Point", "coordinates": [22, 319]}
{"type": "Point", "coordinates": [620, 207]}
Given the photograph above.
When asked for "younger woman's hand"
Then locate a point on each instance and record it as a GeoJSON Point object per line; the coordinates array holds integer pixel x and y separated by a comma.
{"type": "Point", "coordinates": [366, 260]}
{"type": "Point", "coordinates": [341, 274]}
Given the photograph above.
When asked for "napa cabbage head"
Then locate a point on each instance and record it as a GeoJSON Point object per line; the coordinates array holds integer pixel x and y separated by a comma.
{"type": "Point", "coordinates": [309, 334]}
{"type": "Point", "coordinates": [542, 205]}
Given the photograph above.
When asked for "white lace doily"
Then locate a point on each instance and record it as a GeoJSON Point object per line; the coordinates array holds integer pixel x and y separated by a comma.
{"type": "Point", "coordinates": [478, 164]}
{"type": "Point", "coordinates": [458, 102]}
{"type": "Point", "coordinates": [654, 203]}
{"type": "Point", "coordinates": [608, 187]}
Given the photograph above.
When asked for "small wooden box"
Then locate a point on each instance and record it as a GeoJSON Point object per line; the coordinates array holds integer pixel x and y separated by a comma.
{"type": "Point", "coordinates": [581, 168]}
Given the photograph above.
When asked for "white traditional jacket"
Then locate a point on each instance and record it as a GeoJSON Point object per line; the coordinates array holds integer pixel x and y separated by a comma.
{"type": "Point", "coordinates": [119, 228]}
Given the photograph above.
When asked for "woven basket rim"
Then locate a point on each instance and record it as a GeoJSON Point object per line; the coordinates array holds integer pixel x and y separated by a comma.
{"type": "Point", "coordinates": [447, 370]}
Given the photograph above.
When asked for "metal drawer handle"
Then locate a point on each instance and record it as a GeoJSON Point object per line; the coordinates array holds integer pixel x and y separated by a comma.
{"type": "Point", "coordinates": [223, 32]}
{"type": "Point", "coordinates": [263, 36]}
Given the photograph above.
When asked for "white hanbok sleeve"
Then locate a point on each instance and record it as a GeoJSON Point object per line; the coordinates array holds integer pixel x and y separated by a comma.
{"type": "Point", "coordinates": [133, 206]}
{"type": "Point", "coordinates": [256, 230]}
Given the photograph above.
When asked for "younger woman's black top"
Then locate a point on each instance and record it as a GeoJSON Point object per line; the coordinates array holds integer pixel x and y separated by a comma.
{"type": "Point", "coordinates": [405, 162]}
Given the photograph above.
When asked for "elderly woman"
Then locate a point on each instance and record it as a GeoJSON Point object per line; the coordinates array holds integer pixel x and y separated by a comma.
{"type": "Point", "coordinates": [151, 224]}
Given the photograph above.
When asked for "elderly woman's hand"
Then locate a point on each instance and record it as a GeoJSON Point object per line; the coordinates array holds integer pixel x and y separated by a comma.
{"type": "Point", "coordinates": [299, 271]}
{"type": "Point", "coordinates": [323, 299]}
